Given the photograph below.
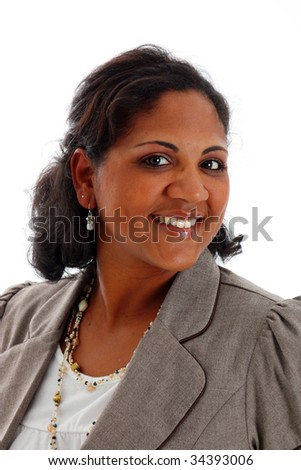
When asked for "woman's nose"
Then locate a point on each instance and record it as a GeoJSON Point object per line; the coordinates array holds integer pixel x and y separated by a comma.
{"type": "Point", "coordinates": [188, 186]}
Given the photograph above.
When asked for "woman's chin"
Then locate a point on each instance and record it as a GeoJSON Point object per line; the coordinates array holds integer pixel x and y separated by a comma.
{"type": "Point", "coordinates": [176, 260]}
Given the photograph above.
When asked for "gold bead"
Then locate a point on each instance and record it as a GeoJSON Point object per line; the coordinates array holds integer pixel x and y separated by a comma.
{"type": "Point", "coordinates": [57, 398]}
{"type": "Point", "coordinates": [74, 366]}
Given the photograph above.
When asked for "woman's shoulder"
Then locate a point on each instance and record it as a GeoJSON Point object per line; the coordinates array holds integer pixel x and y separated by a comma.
{"type": "Point", "coordinates": [243, 286]}
{"type": "Point", "coordinates": [10, 292]}
{"type": "Point", "coordinates": [28, 292]}
{"type": "Point", "coordinates": [254, 306]}
{"type": "Point", "coordinates": [29, 308]}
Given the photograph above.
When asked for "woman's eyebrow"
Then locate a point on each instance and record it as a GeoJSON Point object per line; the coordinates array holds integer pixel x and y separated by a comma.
{"type": "Point", "coordinates": [160, 142]}
{"type": "Point", "coordinates": [213, 149]}
{"type": "Point", "coordinates": [173, 147]}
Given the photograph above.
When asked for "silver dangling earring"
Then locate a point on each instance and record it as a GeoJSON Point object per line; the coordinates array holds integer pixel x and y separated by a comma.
{"type": "Point", "coordinates": [90, 220]}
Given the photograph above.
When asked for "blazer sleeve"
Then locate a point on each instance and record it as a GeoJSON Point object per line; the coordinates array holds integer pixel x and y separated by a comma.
{"type": "Point", "coordinates": [273, 392]}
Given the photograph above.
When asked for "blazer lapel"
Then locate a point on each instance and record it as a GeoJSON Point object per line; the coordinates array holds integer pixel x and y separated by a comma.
{"type": "Point", "coordinates": [189, 306]}
{"type": "Point", "coordinates": [163, 379]}
{"type": "Point", "coordinates": [155, 394]}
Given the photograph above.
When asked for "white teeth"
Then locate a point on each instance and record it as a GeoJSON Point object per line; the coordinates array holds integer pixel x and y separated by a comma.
{"type": "Point", "coordinates": [177, 221]}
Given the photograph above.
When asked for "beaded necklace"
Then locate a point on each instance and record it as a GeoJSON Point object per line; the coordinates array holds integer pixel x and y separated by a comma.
{"type": "Point", "coordinates": [71, 341]}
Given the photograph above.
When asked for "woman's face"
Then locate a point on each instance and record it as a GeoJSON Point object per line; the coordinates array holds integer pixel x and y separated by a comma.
{"type": "Point", "coordinates": [164, 187]}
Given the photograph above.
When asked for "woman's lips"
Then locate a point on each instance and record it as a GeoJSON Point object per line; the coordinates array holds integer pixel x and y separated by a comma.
{"type": "Point", "coordinates": [177, 225]}
{"type": "Point", "coordinates": [178, 222]}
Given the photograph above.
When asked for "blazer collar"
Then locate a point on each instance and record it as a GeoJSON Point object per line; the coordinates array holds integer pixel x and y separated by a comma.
{"type": "Point", "coordinates": [163, 379]}
{"type": "Point", "coordinates": [189, 305]}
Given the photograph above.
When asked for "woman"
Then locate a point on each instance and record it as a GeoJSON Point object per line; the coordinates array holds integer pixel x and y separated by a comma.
{"type": "Point", "coordinates": [151, 345]}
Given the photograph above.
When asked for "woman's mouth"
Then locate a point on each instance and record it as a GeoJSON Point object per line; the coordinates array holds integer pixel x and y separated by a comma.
{"type": "Point", "coordinates": [177, 221]}
{"type": "Point", "coordinates": [177, 224]}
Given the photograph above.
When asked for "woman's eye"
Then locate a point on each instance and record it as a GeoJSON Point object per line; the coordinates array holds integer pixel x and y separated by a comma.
{"type": "Point", "coordinates": [213, 165]}
{"type": "Point", "coordinates": [156, 160]}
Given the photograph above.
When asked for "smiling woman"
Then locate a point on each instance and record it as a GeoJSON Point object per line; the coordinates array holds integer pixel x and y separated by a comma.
{"type": "Point", "coordinates": [178, 175]}
{"type": "Point", "coordinates": [150, 328]}
{"type": "Point", "coordinates": [115, 98]}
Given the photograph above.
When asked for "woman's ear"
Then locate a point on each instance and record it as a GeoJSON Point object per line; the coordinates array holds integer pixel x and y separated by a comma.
{"type": "Point", "coordinates": [82, 170]}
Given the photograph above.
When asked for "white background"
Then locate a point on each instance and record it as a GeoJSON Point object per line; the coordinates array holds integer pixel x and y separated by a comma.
{"type": "Point", "coordinates": [250, 49]}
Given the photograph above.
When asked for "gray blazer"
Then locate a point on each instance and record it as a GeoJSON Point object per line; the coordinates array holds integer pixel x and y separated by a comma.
{"type": "Point", "coordinates": [219, 369]}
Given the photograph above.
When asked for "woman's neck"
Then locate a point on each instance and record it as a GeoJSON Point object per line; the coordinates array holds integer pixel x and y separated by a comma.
{"type": "Point", "coordinates": [125, 292]}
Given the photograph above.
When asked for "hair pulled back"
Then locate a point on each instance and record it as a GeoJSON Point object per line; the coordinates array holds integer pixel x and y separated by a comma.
{"type": "Point", "coordinates": [103, 109]}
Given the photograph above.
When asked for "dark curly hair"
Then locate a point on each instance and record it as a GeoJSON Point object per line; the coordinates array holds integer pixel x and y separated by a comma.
{"type": "Point", "coordinates": [103, 109]}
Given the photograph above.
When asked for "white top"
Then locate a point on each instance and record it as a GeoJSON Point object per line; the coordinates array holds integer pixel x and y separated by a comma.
{"type": "Point", "coordinates": [76, 412]}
